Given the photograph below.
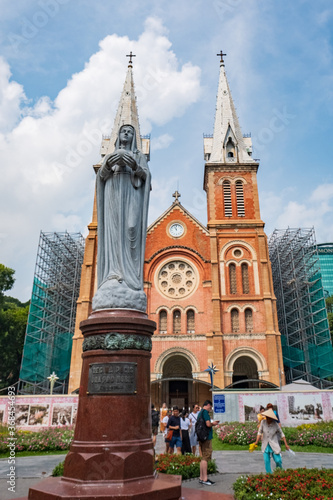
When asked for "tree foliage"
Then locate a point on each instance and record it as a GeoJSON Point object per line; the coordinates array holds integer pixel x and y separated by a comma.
{"type": "Point", "coordinates": [13, 321]}
{"type": "Point", "coordinates": [6, 280]}
{"type": "Point", "coordinates": [329, 307]}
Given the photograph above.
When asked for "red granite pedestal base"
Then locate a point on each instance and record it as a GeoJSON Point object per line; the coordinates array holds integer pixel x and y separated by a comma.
{"type": "Point", "coordinates": [112, 454]}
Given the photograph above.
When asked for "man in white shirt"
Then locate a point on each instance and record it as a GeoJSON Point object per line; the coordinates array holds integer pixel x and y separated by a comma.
{"type": "Point", "coordinates": [193, 419]}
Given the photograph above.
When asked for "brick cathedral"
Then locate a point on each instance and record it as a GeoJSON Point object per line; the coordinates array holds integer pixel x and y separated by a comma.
{"type": "Point", "coordinates": [209, 288]}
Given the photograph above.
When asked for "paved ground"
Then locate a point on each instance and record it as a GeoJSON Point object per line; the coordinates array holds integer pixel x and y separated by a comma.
{"type": "Point", "coordinates": [231, 464]}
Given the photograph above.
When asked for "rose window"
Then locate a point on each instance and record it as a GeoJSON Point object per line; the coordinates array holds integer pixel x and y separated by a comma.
{"type": "Point", "coordinates": [177, 279]}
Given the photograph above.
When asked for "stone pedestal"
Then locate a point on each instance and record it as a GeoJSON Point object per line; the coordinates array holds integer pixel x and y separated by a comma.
{"type": "Point", "coordinates": [112, 455]}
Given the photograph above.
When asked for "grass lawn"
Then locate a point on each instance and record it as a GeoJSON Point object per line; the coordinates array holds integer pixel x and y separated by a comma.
{"type": "Point", "coordinates": [218, 446]}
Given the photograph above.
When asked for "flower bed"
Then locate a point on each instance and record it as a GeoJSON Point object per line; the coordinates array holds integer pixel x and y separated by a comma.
{"type": "Point", "coordinates": [187, 466]}
{"type": "Point", "coordinates": [50, 439]}
{"type": "Point", "coordinates": [236, 433]}
{"type": "Point", "coordinates": [319, 434]}
{"type": "Point", "coordinates": [290, 484]}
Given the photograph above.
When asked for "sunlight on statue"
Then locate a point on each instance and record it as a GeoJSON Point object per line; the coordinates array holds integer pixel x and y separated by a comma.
{"type": "Point", "coordinates": [123, 186]}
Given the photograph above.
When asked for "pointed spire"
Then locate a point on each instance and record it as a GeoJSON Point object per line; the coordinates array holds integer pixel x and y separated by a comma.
{"type": "Point", "coordinates": [228, 143]}
{"type": "Point", "coordinates": [127, 112]}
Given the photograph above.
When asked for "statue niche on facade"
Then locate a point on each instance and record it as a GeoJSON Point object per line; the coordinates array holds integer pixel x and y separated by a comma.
{"type": "Point", "coordinates": [122, 189]}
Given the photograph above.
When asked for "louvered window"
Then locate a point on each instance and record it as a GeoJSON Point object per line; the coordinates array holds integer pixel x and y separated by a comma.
{"type": "Point", "coordinates": [240, 199]}
{"type": "Point", "coordinates": [227, 199]}
{"type": "Point", "coordinates": [232, 278]}
{"type": "Point", "coordinates": [190, 321]}
{"type": "Point", "coordinates": [176, 321]}
{"type": "Point", "coordinates": [248, 320]}
{"type": "Point", "coordinates": [163, 322]}
{"type": "Point", "coordinates": [245, 278]}
{"type": "Point", "coordinates": [234, 320]}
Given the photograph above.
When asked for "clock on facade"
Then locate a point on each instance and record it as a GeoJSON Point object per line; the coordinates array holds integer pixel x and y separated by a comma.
{"type": "Point", "coordinates": [176, 230]}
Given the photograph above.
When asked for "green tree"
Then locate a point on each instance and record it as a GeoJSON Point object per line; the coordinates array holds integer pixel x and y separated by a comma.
{"type": "Point", "coordinates": [13, 321]}
{"type": "Point", "coordinates": [329, 307]}
{"type": "Point", "coordinates": [6, 280]}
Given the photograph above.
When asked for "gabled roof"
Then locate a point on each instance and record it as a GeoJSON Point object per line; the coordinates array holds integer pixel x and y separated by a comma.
{"type": "Point", "coordinates": [176, 205]}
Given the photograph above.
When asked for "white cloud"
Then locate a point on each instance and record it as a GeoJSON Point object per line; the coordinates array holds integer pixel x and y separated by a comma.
{"type": "Point", "coordinates": [48, 149]}
{"type": "Point", "coordinates": [11, 97]}
{"type": "Point", "coordinates": [161, 142]}
{"type": "Point", "coordinates": [315, 211]}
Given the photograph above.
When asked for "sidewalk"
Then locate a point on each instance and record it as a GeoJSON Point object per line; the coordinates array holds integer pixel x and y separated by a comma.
{"type": "Point", "coordinates": [230, 464]}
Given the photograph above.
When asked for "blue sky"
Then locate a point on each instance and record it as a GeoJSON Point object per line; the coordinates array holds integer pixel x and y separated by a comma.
{"type": "Point", "coordinates": [62, 68]}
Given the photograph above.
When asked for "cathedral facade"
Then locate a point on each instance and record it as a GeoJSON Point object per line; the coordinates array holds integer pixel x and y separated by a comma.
{"type": "Point", "coordinates": [209, 288]}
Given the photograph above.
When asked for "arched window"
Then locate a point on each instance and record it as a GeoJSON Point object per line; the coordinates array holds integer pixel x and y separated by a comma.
{"type": "Point", "coordinates": [240, 199]}
{"type": "Point", "coordinates": [248, 320]}
{"type": "Point", "coordinates": [232, 278]}
{"type": "Point", "coordinates": [230, 154]}
{"type": "Point", "coordinates": [227, 199]}
{"type": "Point", "coordinates": [163, 322]}
{"type": "Point", "coordinates": [245, 278]}
{"type": "Point", "coordinates": [190, 321]}
{"type": "Point", "coordinates": [176, 321]}
{"type": "Point", "coordinates": [234, 320]}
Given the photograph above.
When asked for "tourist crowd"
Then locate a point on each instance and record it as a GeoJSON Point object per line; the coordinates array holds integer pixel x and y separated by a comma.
{"type": "Point", "coordinates": [185, 432]}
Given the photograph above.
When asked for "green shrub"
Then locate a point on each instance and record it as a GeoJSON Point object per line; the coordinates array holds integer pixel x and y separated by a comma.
{"type": "Point", "coordinates": [59, 469]}
{"type": "Point", "coordinates": [290, 484]}
{"type": "Point", "coordinates": [49, 439]}
{"type": "Point", "coordinates": [318, 434]}
{"type": "Point", "coordinates": [187, 466]}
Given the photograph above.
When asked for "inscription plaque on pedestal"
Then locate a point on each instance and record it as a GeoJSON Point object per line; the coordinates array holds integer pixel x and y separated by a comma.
{"type": "Point", "coordinates": [112, 378]}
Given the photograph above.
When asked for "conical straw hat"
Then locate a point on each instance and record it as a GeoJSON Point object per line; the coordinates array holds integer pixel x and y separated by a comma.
{"type": "Point", "coordinates": [270, 414]}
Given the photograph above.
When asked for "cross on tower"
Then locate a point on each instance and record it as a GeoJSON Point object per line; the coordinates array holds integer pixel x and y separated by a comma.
{"type": "Point", "coordinates": [130, 55]}
{"type": "Point", "coordinates": [176, 195]}
{"type": "Point", "coordinates": [221, 55]}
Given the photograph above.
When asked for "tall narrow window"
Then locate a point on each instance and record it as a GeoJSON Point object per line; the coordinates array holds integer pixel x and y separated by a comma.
{"type": "Point", "coordinates": [176, 321]}
{"type": "Point", "coordinates": [190, 321]}
{"type": "Point", "coordinates": [245, 278]}
{"type": "Point", "coordinates": [240, 199]}
{"type": "Point", "coordinates": [163, 322]}
{"type": "Point", "coordinates": [234, 320]}
{"type": "Point", "coordinates": [232, 278]}
{"type": "Point", "coordinates": [227, 199]}
{"type": "Point", "coordinates": [248, 320]}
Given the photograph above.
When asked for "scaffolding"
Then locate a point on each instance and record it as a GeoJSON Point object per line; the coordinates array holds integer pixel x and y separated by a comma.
{"type": "Point", "coordinates": [305, 336]}
{"type": "Point", "coordinates": [51, 320]}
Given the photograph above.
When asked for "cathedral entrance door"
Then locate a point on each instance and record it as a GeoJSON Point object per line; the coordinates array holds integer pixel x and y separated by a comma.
{"type": "Point", "coordinates": [245, 370]}
{"type": "Point", "coordinates": [177, 382]}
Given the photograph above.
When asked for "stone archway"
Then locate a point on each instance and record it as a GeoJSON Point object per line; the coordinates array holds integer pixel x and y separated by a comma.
{"type": "Point", "coordinates": [245, 369]}
{"type": "Point", "coordinates": [177, 381]}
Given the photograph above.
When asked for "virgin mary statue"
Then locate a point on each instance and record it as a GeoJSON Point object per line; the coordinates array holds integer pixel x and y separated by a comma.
{"type": "Point", "coordinates": [123, 186]}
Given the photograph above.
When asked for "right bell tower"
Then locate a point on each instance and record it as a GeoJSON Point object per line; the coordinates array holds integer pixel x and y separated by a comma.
{"type": "Point", "coordinates": [244, 304]}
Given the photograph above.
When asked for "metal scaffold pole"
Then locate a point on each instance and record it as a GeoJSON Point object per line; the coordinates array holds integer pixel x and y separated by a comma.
{"type": "Point", "coordinates": [51, 321]}
{"type": "Point", "coordinates": [306, 341]}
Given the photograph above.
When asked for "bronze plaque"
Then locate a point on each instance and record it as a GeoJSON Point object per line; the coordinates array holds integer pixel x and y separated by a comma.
{"type": "Point", "coordinates": [112, 378]}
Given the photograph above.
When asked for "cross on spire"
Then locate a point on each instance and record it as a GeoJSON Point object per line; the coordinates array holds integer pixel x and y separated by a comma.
{"type": "Point", "coordinates": [221, 55]}
{"type": "Point", "coordinates": [130, 55]}
{"type": "Point", "coordinates": [176, 195]}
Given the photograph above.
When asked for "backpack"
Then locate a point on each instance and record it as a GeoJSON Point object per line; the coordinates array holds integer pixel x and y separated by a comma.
{"type": "Point", "coordinates": [155, 418]}
{"type": "Point", "coordinates": [201, 429]}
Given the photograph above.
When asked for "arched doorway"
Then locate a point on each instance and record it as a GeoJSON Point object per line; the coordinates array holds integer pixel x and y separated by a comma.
{"type": "Point", "coordinates": [177, 381]}
{"type": "Point", "coordinates": [244, 369]}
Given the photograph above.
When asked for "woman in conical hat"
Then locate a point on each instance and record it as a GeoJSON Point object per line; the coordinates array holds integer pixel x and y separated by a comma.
{"type": "Point", "coordinates": [270, 434]}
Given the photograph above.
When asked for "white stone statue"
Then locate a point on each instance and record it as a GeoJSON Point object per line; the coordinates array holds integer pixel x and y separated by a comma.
{"type": "Point", "coordinates": [123, 187]}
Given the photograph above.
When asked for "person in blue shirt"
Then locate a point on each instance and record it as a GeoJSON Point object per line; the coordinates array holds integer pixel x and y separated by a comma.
{"type": "Point", "coordinates": [206, 446]}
